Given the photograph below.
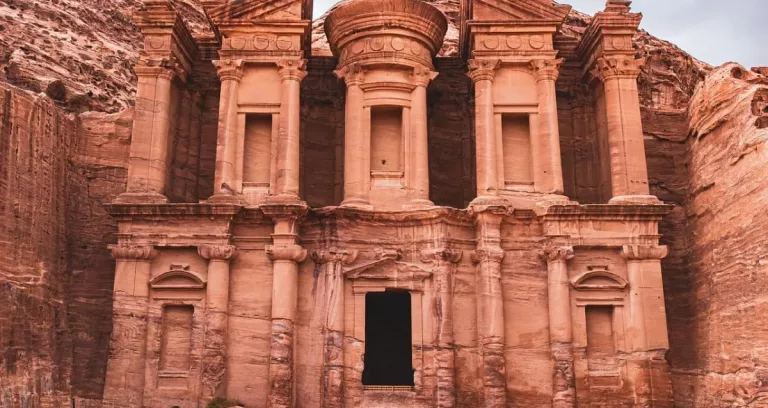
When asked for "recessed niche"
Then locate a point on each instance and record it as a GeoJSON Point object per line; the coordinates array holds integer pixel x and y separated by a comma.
{"type": "Point", "coordinates": [387, 138]}
{"type": "Point", "coordinates": [516, 139]}
{"type": "Point", "coordinates": [257, 150]}
{"type": "Point", "coordinates": [177, 338]}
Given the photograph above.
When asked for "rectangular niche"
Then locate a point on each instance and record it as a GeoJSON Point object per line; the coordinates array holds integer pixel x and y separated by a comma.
{"type": "Point", "coordinates": [601, 347]}
{"type": "Point", "coordinates": [516, 140]}
{"type": "Point", "coordinates": [387, 139]}
{"type": "Point", "coordinates": [257, 149]}
{"type": "Point", "coordinates": [176, 347]}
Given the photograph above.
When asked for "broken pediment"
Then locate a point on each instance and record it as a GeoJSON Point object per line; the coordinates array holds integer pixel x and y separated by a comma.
{"type": "Point", "coordinates": [533, 11]}
{"type": "Point", "coordinates": [598, 277]}
{"type": "Point", "coordinates": [178, 277]}
{"type": "Point", "coordinates": [269, 10]}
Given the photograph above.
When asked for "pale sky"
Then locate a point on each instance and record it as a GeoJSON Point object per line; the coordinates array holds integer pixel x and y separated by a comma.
{"type": "Point", "coordinates": [714, 31]}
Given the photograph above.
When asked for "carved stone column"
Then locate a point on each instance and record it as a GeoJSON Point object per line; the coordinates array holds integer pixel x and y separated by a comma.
{"type": "Point", "coordinates": [629, 171]}
{"type": "Point", "coordinates": [149, 154]}
{"type": "Point", "coordinates": [647, 326]}
{"type": "Point", "coordinates": [561, 327]}
{"type": "Point", "coordinates": [230, 73]}
{"type": "Point", "coordinates": [482, 73]}
{"type": "Point", "coordinates": [547, 162]}
{"type": "Point", "coordinates": [291, 74]}
{"type": "Point", "coordinates": [357, 154]}
{"type": "Point", "coordinates": [332, 261]}
{"type": "Point", "coordinates": [214, 370]}
{"type": "Point", "coordinates": [490, 303]}
{"type": "Point", "coordinates": [445, 261]}
{"type": "Point", "coordinates": [419, 155]}
{"type": "Point", "coordinates": [128, 345]}
{"type": "Point", "coordinates": [286, 254]}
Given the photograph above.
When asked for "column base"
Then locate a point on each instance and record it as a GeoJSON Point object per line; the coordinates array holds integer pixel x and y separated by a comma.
{"type": "Point", "coordinates": [482, 202]}
{"type": "Point", "coordinates": [418, 204]}
{"type": "Point", "coordinates": [141, 198]}
{"type": "Point", "coordinates": [357, 203]}
{"type": "Point", "coordinates": [282, 199]}
{"type": "Point", "coordinates": [635, 200]}
{"type": "Point", "coordinates": [224, 199]}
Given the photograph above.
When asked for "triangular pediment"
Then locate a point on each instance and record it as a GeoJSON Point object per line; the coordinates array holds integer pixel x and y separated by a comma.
{"type": "Point", "coordinates": [388, 269]}
{"type": "Point", "coordinates": [518, 11]}
{"type": "Point", "coordinates": [256, 10]}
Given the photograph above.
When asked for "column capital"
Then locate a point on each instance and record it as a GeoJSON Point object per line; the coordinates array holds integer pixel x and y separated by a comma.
{"type": "Point", "coordinates": [430, 255]}
{"type": "Point", "coordinates": [352, 74]}
{"type": "Point", "coordinates": [293, 253]}
{"type": "Point", "coordinates": [556, 253]}
{"type": "Point", "coordinates": [617, 67]}
{"type": "Point", "coordinates": [163, 67]}
{"type": "Point", "coordinates": [229, 69]}
{"type": "Point", "coordinates": [333, 255]}
{"type": "Point", "coordinates": [130, 252]}
{"type": "Point", "coordinates": [422, 76]}
{"type": "Point", "coordinates": [483, 69]}
{"type": "Point", "coordinates": [490, 254]}
{"type": "Point", "coordinates": [292, 69]}
{"type": "Point", "coordinates": [546, 70]}
{"type": "Point", "coordinates": [644, 252]}
{"type": "Point", "coordinates": [217, 252]}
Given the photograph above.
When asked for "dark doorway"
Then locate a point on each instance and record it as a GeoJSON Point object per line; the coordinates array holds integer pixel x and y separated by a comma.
{"type": "Point", "coordinates": [388, 339]}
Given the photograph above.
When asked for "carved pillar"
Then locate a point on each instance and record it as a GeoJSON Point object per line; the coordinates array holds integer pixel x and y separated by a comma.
{"type": "Point", "coordinates": [547, 162]}
{"type": "Point", "coordinates": [286, 254]}
{"type": "Point", "coordinates": [419, 154]}
{"type": "Point", "coordinates": [216, 319]}
{"type": "Point", "coordinates": [445, 261]}
{"type": "Point", "coordinates": [482, 73]}
{"type": "Point", "coordinates": [333, 354]}
{"type": "Point", "coordinates": [149, 154]}
{"type": "Point", "coordinates": [128, 344]}
{"type": "Point", "coordinates": [230, 73]}
{"type": "Point", "coordinates": [490, 303]}
{"type": "Point", "coordinates": [629, 171]}
{"type": "Point", "coordinates": [357, 168]}
{"type": "Point", "coordinates": [291, 74]}
{"type": "Point", "coordinates": [560, 327]}
{"type": "Point", "coordinates": [647, 327]}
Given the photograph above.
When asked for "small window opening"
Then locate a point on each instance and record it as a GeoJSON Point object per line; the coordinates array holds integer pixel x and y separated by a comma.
{"type": "Point", "coordinates": [388, 339]}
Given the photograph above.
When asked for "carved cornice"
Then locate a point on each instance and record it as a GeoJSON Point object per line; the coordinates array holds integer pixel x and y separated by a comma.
{"type": "Point", "coordinates": [610, 68]}
{"type": "Point", "coordinates": [554, 253]}
{"type": "Point", "coordinates": [422, 76]}
{"type": "Point", "coordinates": [352, 74]}
{"type": "Point", "coordinates": [482, 69]}
{"type": "Point", "coordinates": [229, 69]}
{"type": "Point", "coordinates": [292, 253]}
{"type": "Point", "coordinates": [334, 255]}
{"type": "Point", "coordinates": [643, 252]}
{"type": "Point", "coordinates": [133, 252]}
{"type": "Point", "coordinates": [546, 70]}
{"type": "Point", "coordinates": [292, 69]}
{"type": "Point", "coordinates": [217, 252]}
{"type": "Point", "coordinates": [441, 255]}
{"type": "Point", "coordinates": [495, 255]}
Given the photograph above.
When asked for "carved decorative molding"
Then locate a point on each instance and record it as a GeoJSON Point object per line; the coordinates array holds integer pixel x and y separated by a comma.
{"type": "Point", "coordinates": [164, 67]}
{"type": "Point", "coordinates": [293, 253]}
{"type": "Point", "coordinates": [610, 68]}
{"type": "Point", "coordinates": [178, 277]}
{"type": "Point", "coordinates": [133, 252]}
{"type": "Point", "coordinates": [441, 255]}
{"type": "Point", "coordinates": [546, 70]}
{"type": "Point", "coordinates": [352, 74]}
{"type": "Point", "coordinates": [644, 252]}
{"type": "Point", "coordinates": [554, 253]}
{"type": "Point", "coordinates": [219, 252]}
{"type": "Point", "coordinates": [483, 69]}
{"type": "Point", "coordinates": [387, 253]}
{"type": "Point", "coordinates": [495, 255]}
{"type": "Point", "coordinates": [294, 70]}
{"type": "Point", "coordinates": [229, 70]}
{"type": "Point", "coordinates": [598, 277]}
{"type": "Point", "coordinates": [334, 255]}
{"type": "Point", "coordinates": [388, 272]}
{"type": "Point", "coordinates": [422, 76]}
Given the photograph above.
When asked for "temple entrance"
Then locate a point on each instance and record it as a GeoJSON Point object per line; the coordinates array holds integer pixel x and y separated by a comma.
{"type": "Point", "coordinates": [388, 339]}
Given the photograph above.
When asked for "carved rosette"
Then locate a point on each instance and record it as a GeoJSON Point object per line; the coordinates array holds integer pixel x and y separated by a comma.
{"type": "Point", "coordinates": [555, 253]}
{"type": "Point", "coordinates": [546, 70]}
{"type": "Point", "coordinates": [483, 69]}
{"type": "Point", "coordinates": [229, 70]}
{"type": "Point", "coordinates": [133, 252]}
{"type": "Point", "coordinates": [217, 252]}
{"type": "Point", "coordinates": [644, 252]}
{"type": "Point", "coordinates": [352, 74]}
{"type": "Point", "coordinates": [289, 253]}
{"type": "Point", "coordinates": [610, 68]}
{"type": "Point", "coordinates": [422, 76]}
{"type": "Point", "coordinates": [292, 70]}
